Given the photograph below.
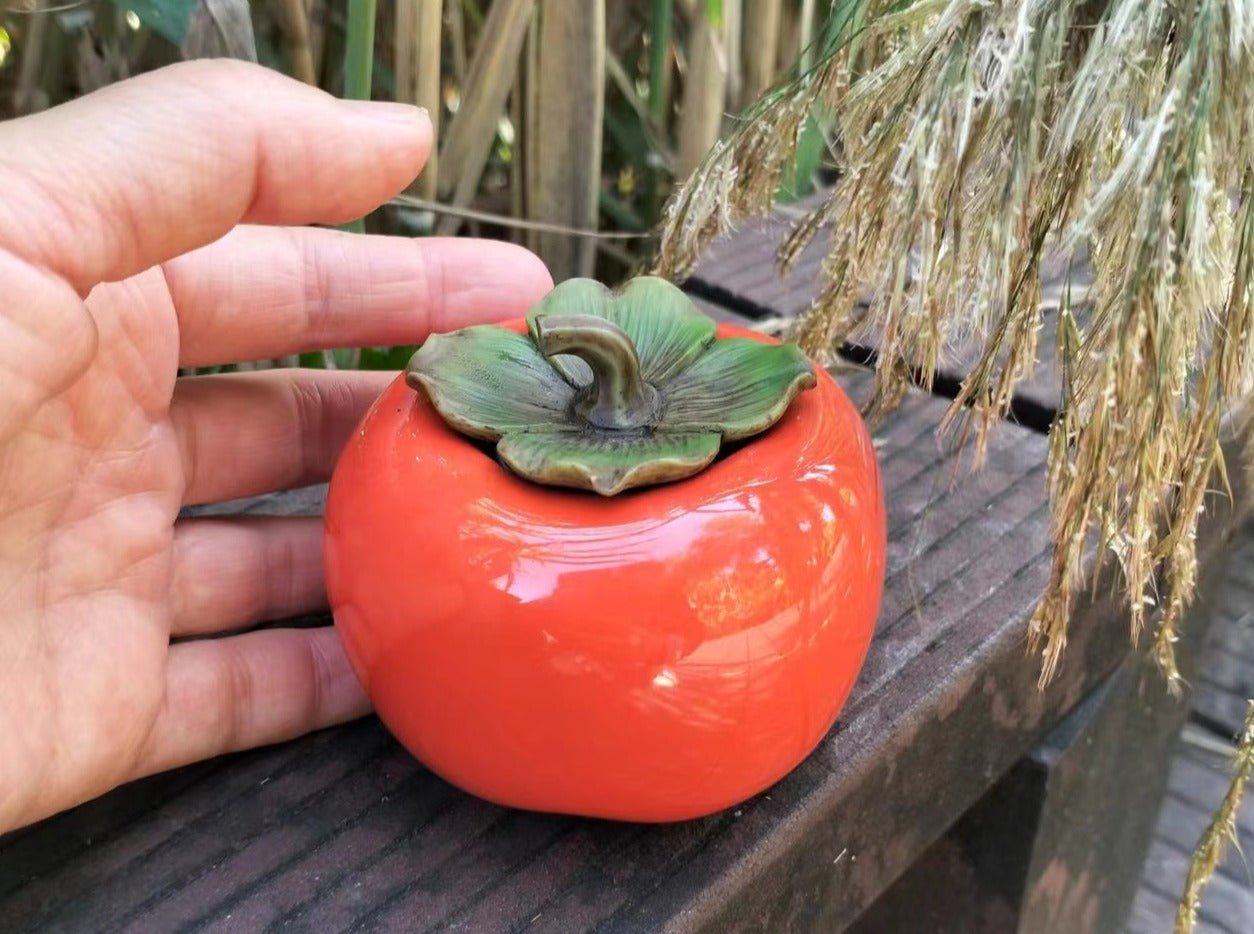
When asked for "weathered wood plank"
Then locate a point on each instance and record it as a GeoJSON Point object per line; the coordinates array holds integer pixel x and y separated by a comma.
{"type": "Point", "coordinates": [1202, 768]}
{"type": "Point", "coordinates": [1227, 681]}
{"type": "Point", "coordinates": [719, 313]}
{"type": "Point", "coordinates": [343, 828]}
{"type": "Point", "coordinates": [1095, 826]}
{"type": "Point", "coordinates": [1201, 779]}
{"type": "Point", "coordinates": [1058, 843]}
{"type": "Point", "coordinates": [1153, 913]}
{"type": "Point", "coordinates": [1228, 905]}
{"type": "Point", "coordinates": [1220, 708]}
{"type": "Point", "coordinates": [733, 272]}
{"type": "Point", "coordinates": [1181, 824]}
{"type": "Point", "coordinates": [563, 161]}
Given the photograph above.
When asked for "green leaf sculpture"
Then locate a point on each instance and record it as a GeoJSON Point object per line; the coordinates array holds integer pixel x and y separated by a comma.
{"type": "Point", "coordinates": [608, 391]}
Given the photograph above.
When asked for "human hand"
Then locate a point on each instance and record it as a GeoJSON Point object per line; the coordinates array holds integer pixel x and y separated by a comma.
{"type": "Point", "coordinates": [122, 261]}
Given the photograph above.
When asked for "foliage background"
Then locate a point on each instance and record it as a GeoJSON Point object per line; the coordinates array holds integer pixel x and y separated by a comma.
{"type": "Point", "coordinates": [651, 83]}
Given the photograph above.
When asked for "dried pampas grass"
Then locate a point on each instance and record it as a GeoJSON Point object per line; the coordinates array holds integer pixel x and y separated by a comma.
{"type": "Point", "coordinates": [973, 137]}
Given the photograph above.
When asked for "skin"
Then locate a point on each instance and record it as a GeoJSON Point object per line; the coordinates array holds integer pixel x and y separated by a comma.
{"type": "Point", "coordinates": [150, 226]}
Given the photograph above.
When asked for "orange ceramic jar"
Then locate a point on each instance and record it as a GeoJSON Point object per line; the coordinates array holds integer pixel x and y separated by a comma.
{"type": "Point", "coordinates": [654, 656]}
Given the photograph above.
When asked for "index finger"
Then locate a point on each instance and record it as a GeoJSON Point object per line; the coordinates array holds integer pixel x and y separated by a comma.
{"type": "Point", "coordinates": [141, 171]}
{"type": "Point", "coordinates": [271, 291]}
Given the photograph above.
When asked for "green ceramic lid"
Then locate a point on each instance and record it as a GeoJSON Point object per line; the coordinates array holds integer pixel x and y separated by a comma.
{"type": "Point", "coordinates": [608, 391]}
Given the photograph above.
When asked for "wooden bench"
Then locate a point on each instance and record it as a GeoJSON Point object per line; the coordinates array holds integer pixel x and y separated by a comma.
{"type": "Point", "coordinates": [951, 794]}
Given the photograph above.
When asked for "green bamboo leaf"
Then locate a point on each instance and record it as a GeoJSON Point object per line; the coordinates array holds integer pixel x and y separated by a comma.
{"type": "Point", "coordinates": [386, 358]}
{"type": "Point", "coordinates": [167, 18]}
{"type": "Point", "coordinates": [220, 29]}
{"type": "Point", "coordinates": [359, 65]}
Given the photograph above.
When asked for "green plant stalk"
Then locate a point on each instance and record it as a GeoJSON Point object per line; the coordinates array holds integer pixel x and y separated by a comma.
{"type": "Point", "coordinates": [797, 181]}
{"type": "Point", "coordinates": [659, 49]}
{"type": "Point", "coordinates": [621, 214]}
{"type": "Point", "coordinates": [359, 64]}
{"type": "Point", "coordinates": [714, 13]}
{"type": "Point", "coordinates": [359, 49]}
{"type": "Point", "coordinates": [845, 15]}
{"type": "Point", "coordinates": [661, 17]}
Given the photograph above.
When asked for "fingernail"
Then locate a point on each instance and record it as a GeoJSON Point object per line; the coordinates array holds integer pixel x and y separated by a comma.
{"type": "Point", "coordinates": [389, 112]}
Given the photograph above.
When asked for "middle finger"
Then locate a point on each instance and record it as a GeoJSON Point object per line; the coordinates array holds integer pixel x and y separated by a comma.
{"type": "Point", "coordinates": [242, 434]}
{"type": "Point", "coordinates": [234, 572]}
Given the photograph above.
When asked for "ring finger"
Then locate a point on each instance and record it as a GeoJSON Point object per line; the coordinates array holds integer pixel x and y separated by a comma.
{"type": "Point", "coordinates": [241, 434]}
{"type": "Point", "coordinates": [236, 572]}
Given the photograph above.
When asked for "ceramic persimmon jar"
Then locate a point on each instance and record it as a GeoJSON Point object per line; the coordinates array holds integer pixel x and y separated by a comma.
{"type": "Point", "coordinates": [614, 560]}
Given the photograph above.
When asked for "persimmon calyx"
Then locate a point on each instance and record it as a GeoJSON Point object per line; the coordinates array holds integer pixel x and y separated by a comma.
{"type": "Point", "coordinates": [608, 391]}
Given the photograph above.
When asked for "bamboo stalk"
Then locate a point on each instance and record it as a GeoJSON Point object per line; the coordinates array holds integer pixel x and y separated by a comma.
{"type": "Point", "coordinates": [760, 45]}
{"type": "Point", "coordinates": [317, 33]}
{"type": "Point", "coordinates": [564, 163]}
{"type": "Point", "coordinates": [483, 97]}
{"type": "Point", "coordinates": [705, 92]}
{"type": "Point", "coordinates": [418, 49]}
{"type": "Point", "coordinates": [296, 22]}
{"type": "Point", "coordinates": [733, 16]}
{"type": "Point", "coordinates": [457, 41]}
{"type": "Point", "coordinates": [28, 96]}
{"type": "Point", "coordinates": [359, 49]}
{"type": "Point", "coordinates": [659, 59]}
{"type": "Point", "coordinates": [523, 114]}
{"type": "Point", "coordinates": [806, 34]}
{"type": "Point", "coordinates": [789, 36]}
{"type": "Point", "coordinates": [517, 166]}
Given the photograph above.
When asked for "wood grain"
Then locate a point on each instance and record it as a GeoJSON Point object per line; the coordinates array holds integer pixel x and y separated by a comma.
{"type": "Point", "coordinates": [739, 271]}
{"type": "Point", "coordinates": [343, 829]}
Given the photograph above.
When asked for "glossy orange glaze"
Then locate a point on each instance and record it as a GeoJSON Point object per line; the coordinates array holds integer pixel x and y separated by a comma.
{"type": "Point", "coordinates": [656, 656]}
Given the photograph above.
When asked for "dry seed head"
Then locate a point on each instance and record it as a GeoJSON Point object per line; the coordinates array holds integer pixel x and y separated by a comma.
{"type": "Point", "coordinates": [974, 139]}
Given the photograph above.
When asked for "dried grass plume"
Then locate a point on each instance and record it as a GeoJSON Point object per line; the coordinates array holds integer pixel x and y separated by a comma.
{"type": "Point", "coordinates": [973, 137]}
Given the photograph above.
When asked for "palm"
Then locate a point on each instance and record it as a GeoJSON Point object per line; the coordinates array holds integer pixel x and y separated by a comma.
{"type": "Point", "coordinates": [102, 444]}
{"type": "Point", "coordinates": [99, 461]}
